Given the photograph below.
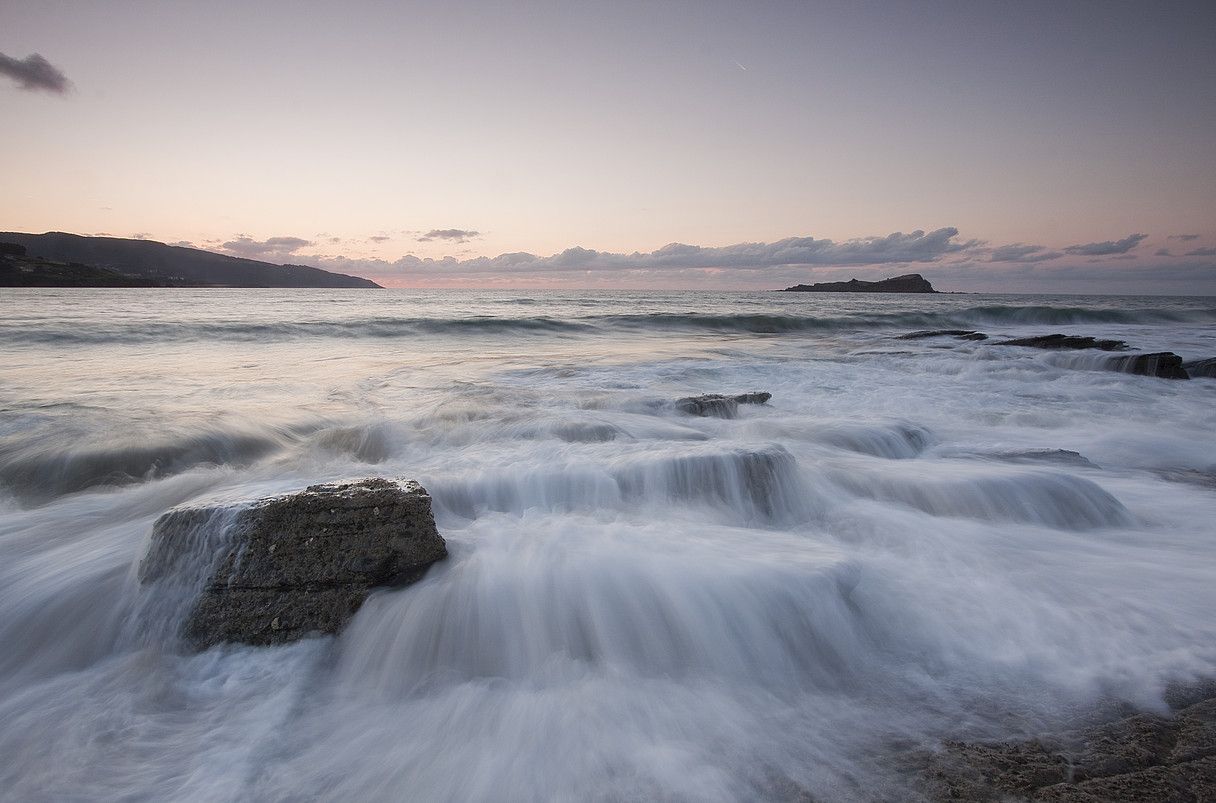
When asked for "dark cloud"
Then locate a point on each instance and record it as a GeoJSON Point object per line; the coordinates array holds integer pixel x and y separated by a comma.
{"type": "Point", "coordinates": [1108, 247]}
{"type": "Point", "coordinates": [379, 238]}
{"type": "Point", "coordinates": [34, 74]}
{"type": "Point", "coordinates": [245, 246]}
{"type": "Point", "coordinates": [1162, 252]}
{"type": "Point", "coordinates": [1023, 253]}
{"type": "Point", "coordinates": [1186, 238]}
{"type": "Point", "coordinates": [453, 235]}
{"type": "Point", "coordinates": [1202, 252]}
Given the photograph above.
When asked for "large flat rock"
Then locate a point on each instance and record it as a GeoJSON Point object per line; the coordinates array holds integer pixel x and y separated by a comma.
{"type": "Point", "coordinates": [285, 567]}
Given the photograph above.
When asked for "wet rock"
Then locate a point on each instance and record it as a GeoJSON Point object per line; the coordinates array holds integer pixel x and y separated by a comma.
{"type": "Point", "coordinates": [298, 564]}
{"type": "Point", "coordinates": [1065, 457]}
{"type": "Point", "coordinates": [958, 334]}
{"type": "Point", "coordinates": [1065, 342]}
{"type": "Point", "coordinates": [1198, 368]}
{"type": "Point", "coordinates": [719, 406]}
{"type": "Point", "coordinates": [1162, 364]}
{"type": "Point", "coordinates": [1141, 757]}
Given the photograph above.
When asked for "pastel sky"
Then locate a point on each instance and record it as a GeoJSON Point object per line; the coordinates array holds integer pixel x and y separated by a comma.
{"type": "Point", "coordinates": [1000, 146]}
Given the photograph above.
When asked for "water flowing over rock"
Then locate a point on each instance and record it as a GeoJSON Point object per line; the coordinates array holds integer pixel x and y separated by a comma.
{"type": "Point", "coordinates": [1065, 342]}
{"type": "Point", "coordinates": [297, 564]}
{"type": "Point", "coordinates": [1162, 364]}
{"type": "Point", "coordinates": [1142, 757]}
{"type": "Point", "coordinates": [719, 406]}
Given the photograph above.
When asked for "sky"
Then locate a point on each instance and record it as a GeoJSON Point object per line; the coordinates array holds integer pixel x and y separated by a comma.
{"type": "Point", "coordinates": [990, 146]}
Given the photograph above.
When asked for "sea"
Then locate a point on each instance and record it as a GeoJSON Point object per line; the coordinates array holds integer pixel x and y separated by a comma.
{"type": "Point", "coordinates": [913, 541]}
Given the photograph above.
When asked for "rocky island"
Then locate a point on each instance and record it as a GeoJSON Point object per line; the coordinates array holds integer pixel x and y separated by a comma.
{"type": "Point", "coordinates": [908, 283]}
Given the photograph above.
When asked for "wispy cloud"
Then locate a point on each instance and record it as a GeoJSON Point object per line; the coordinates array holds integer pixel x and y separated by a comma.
{"type": "Point", "coordinates": [1202, 252]}
{"type": "Point", "coordinates": [1106, 248]}
{"type": "Point", "coordinates": [1186, 238]}
{"type": "Point", "coordinates": [34, 74]}
{"type": "Point", "coordinates": [1162, 252]}
{"type": "Point", "coordinates": [1018, 252]}
{"type": "Point", "coordinates": [379, 238]}
{"type": "Point", "coordinates": [452, 235]}
{"type": "Point", "coordinates": [245, 246]}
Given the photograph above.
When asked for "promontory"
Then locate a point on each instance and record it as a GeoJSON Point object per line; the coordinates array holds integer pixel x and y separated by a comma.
{"type": "Point", "coordinates": [908, 283]}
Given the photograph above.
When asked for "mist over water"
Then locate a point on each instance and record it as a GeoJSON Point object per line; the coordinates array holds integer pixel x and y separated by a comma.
{"type": "Point", "coordinates": [638, 604]}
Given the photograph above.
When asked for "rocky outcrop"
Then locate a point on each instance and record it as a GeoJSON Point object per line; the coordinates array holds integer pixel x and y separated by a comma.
{"type": "Point", "coordinates": [1163, 364]}
{"type": "Point", "coordinates": [1142, 757]}
{"type": "Point", "coordinates": [1065, 342]}
{"type": "Point", "coordinates": [1196, 368]}
{"type": "Point", "coordinates": [289, 566]}
{"type": "Point", "coordinates": [719, 406]}
{"type": "Point", "coordinates": [908, 283]}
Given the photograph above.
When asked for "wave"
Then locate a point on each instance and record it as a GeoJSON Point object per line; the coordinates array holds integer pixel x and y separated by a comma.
{"type": "Point", "coordinates": [753, 323]}
{"type": "Point", "coordinates": [748, 485]}
{"type": "Point", "coordinates": [38, 476]}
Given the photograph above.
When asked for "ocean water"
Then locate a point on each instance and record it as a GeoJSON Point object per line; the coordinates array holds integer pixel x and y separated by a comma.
{"type": "Point", "coordinates": [639, 604]}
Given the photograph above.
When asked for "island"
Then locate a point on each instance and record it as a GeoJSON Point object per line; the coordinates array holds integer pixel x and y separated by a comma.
{"type": "Point", "coordinates": [908, 283]}
{"type": "Point", "coordinates": [56, 259]}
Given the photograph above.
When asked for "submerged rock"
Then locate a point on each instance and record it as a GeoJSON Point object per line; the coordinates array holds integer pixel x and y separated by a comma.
{"type": "Point", "coordinates": [1065, 342]}
{"type": "Point", "coordinates": [1163, 364]}
{"type": "Point", "coordinates": [1197, 368]}
{"type": "Point", "coordinates": [302, 563]}
{"type": "Point", "coordinates": [719, 406]}
{"type": "Point", "coordinates": [958, 334]}
{"type": "Point", "coordinates": [1063, 456]}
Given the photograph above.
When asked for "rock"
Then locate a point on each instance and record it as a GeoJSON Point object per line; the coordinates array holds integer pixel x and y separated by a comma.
{"type": "Point", "coordinates": [960, 334]}
{"type": "Point", "coordinates": [719, 406]}
{"type": "Point", "coordinates": [1063, 456]}
{"type": "Point", "coordinates": [293, 565]}
{"type": "Point", "coordinates": [1163, 364]}
{"type": "Point", "coordinates": [1141, 757]}
{"type": "Point", "coordinates": [908, 283]}
{"type": "Point", "coordinates": [1197, 368]}
{"type": "Point", "coordinates": [1065, 342]}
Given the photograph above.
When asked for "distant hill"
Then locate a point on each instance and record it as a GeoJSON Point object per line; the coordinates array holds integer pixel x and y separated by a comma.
{"type": "Point", "coordinates": [171, 265]}
{"type": "Point", "coordinates": [18, 270]}
{"type": "Point", "coordinates": [908, 283]}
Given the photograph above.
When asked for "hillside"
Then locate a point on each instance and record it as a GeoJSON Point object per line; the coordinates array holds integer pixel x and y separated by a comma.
{"type": "Point", "coordinates": [161, 264]}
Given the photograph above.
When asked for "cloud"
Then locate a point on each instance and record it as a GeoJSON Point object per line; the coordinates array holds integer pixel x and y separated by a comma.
{"type": "Point", "coordinates": [944, 259]}
{"type": "Point", "coordinates": [1109, 247]}
{"type": "Point", "coordinates": [453, 235]}
{"type": "Point", "coordinates": [245, 246]}
{"type": "Point", "coordinates": [379, 238]}
{"type": "Point", "coordinates": [1162, 252]}
{"type": "Point", "coordinates": [1023, 253]}
{"type": "Point", "coordinates": [34, 74]}
{"type": "Point", "coordinates": [183, 244]}
{"type": "Point", "coordinates": [677, 261]}
{"type": "Point", "coordinates": [1184, 237]}
{"type": "Point", "coordinates": [1202, 252]}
